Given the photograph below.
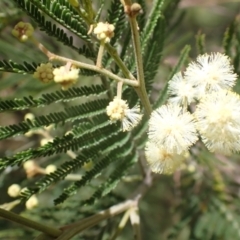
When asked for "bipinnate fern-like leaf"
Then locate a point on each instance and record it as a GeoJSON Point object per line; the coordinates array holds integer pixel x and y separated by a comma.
{"type": "Point", "coordinates": [228, 38]}
{"type": "Point", "coordinates": [92, 152]}
{"type": "Point", "coordinates": [153, 52]}
{"type": "Point", "coordinates": [63, 144]}
{"type": "Point", "coordinates": [142, 17]}
{"type": "Point", "coordinates": [85, 140]}
{"type": "Point", "coordinates": [82, 111]}
{"type": "Point", "coordinates": [151, 24]}
{"type": "Point", "coordinates": [200, 42]}
{"type": "Point", "coordinates": [49, 98]}
{"type": "Point", "coordinates": [113, 179]}
{"type": "Point", "coordinates": [87, 52]}
{"type": "Point", "coordinates": [116, 16]}
{"type": "Point", "coordinates": [99, 12]}
{"type": "Point", "coordinates": [25, 68]}
{"type": "Point", "coordinates": [88, 152]}
{"type": "Point", "coordinates": [224, 223]}
{"type": "Point", "coordinates": [107, 156]}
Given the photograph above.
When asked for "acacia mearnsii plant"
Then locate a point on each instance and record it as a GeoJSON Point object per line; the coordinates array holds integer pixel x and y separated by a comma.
{"type": "Point", "coordinates": [101, 138]}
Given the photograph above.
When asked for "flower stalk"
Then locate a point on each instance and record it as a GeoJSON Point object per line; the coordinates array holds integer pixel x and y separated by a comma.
{"type": "Point", "coordinates": [100, 54]}
{"type": "Point", "coordinates": [94, 68]}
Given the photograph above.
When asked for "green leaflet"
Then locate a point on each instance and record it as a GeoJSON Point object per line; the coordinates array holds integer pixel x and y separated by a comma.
{"type": "Point", "coordinates": [49, 98]}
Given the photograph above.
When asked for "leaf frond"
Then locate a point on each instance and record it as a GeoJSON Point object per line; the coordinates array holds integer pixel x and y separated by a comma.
{"type": "Point", "coordinates": [11, 66]}
{"type": "Point", "coordinates": [112, 180]}
{"type": "Point", "coordinates": [109, 155]}
{"type": "Point", "coordinates": [72, 113]}
{"type": "Point", "coordinates": [49, 98]}
{"type": "Point", "coordinates": [151, 23]}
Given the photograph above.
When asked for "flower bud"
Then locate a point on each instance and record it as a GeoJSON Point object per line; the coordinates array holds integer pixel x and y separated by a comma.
{"type": "Point", "coordinates": [23, 31]}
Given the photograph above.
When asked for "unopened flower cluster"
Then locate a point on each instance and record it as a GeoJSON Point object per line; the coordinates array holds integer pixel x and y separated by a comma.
{"type": "Point", "coordinates": [22, 31]}
{"type": "Point", "coordinates": [66, 75]}
{"type": "Point", "coordinates": [104, 31]}
{"type": "Point", "coordinates": [44, 72]}
{"type": "Point", "coordinates": [15, 191]}
{"type": "Point", "coordinates": [207, 83]}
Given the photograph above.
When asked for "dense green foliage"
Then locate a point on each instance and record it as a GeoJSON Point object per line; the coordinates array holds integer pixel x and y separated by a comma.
{"type": "Point", "coordinates": [85, 143]}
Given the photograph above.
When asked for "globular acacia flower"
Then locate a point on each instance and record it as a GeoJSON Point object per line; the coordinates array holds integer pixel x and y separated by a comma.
{"type": "Point", "coordinates": [118, 109]}
{"type": "Point", "coordinates": [104, 31]}
{"type": "Point", "coordinates": [23, 31]}
{"type": "Point", "coordinates": [211, 73]}
{"type": "Point", "coordinates": [14, 190]}
{"type": "Point", "coordinates": [31, 168]}
{"type": "Point", "coordinates": [180, 90]}
{"type": "Point", "coordinates": [172, 128]}
{"type": "Point", "coordinates": [218, 121]}
{"type": "Point", "coordinates": [65, 76]}
{"type": "Point", "coordinates": [32, 202]}
{"type": "Point", "coordinates": [161, 161]}
{"type": "Point", "coordinates": [44, 72]}
{"type": "Point", "coordinates": [50, 168]}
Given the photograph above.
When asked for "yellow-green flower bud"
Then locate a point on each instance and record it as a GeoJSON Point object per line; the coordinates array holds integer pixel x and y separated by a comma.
{"type": "Point", "coordinates": [23, 31]}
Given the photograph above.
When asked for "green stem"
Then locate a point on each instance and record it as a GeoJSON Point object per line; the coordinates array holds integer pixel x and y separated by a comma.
{"type": "Point", "coordinates": [29, 223]}
{"type": "Point", "coordinates": [94, 68]}
{"type": "Point", "coordinates": [141, 90]}
{"type": "Point", "coordinates": [113, 52]}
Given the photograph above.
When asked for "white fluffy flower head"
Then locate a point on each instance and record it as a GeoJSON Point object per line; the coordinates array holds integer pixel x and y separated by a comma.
{"type": "Point", "coordinates": [65, 76]}
{"type": "Point", "coordinates": [118, 109]}
{"type": "Point", "coordinates": [44, 72]}
{"type": "Point", "coordinates": [218, 121]}
{"type": "Point", "coordinates": [23, 31]}
{"type": "Point", "coordinates": [161, 161]}
{"type": "Point", "coordinates": [180, 90]}
{"type": "Point", "coordinates": [172, 128]}
{"type": "Point", "coordinates": [104, 31]}
{"type": "Point", "coordinates": [211, 73]}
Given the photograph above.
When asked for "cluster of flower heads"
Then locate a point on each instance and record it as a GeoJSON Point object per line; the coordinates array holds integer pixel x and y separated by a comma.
{"type": "Point", "coordinates": [104, 31]}
{"type": "Point", "coordinates": [66, 76]}
{"type": "Point", "coordinates": [15, 191]}
{"type": "Point", "coordinates": [207, 84]}
{"type": "Point", "coordinates": [118, 109]}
